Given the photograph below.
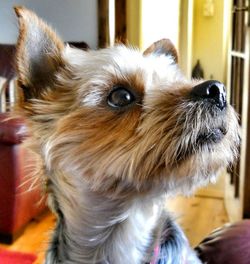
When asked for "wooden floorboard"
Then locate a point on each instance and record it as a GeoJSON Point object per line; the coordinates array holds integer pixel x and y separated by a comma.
{"type": "Point", "coordinates": [197, 215]}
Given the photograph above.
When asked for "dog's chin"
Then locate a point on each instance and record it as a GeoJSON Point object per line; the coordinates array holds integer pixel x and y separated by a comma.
{"type": "Point", "coordinates": [193, 173]}
{"type": "Point", "coordinates": [187, 178]}
{"type": "Point", "coordinates": [205, 142]}
{"type": "Point", "coordinates": [201, 164]}
{"type": "Point", "coordinates": [213, 136]}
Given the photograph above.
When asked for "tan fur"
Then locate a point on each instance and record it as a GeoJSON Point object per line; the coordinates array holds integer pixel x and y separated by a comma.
{"type": "Point", "coordinates": [163, 46]}
{"type": "Point", "coordinates": [28, 22]}
{"type": "Point", "coordinates": [109, 169]}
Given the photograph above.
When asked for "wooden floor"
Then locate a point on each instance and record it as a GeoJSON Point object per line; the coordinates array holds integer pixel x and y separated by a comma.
{"type": "Point", "coordinates": [197, 215]}
{"type": "Point", "coordinates": [35, 237]}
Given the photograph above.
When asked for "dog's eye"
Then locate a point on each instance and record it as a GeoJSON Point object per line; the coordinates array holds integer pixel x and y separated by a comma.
{"type": "Point", "coordinates": [120, 97]}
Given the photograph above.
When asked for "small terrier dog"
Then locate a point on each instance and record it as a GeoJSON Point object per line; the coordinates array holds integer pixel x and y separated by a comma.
{"type": "Point", "coordinates": [117, 131]}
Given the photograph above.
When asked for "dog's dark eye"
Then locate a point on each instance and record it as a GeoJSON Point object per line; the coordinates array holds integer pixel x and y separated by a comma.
{"type": "Point", "coordinates": [120, 97]}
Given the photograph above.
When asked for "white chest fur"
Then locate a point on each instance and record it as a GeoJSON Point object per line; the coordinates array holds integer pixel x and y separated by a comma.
{"type": "Point", "coordinates": [135, 235]}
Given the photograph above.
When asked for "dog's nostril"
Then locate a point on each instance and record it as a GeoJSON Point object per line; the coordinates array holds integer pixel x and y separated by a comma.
{"type": "Point", "coordinates": [213, 91]}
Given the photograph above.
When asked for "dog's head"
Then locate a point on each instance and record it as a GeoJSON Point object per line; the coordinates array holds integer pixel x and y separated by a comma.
{"type": "Point", "coordinates": [119, 119]}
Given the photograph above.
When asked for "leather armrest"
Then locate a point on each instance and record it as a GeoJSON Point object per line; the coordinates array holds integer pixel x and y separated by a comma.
{"type": "Point", "coordinates": [12, 131]}
{"type": "Point", "coordinates": [227, 245]}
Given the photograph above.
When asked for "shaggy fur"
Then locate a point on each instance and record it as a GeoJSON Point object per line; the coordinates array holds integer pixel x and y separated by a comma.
{"type": "Point", "coordinates": [109, 168]}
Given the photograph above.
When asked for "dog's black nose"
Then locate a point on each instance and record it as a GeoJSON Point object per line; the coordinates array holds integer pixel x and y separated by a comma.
{"type": "Point", "coordinates": [213, 91]}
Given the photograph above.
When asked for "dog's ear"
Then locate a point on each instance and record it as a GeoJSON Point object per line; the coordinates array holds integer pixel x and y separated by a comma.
{"type": "Point", "coordinates": [38, 55]}
{"type": "Point", "coordinates": [163, 46]}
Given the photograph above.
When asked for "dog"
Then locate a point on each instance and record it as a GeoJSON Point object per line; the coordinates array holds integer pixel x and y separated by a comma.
{"type": "Point", "coordinates": [117, 131]}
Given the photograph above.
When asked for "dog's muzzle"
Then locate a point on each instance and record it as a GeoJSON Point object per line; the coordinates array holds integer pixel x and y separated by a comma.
{"type": "Point", "coordinates": [211, 91]}
{"type": "Point", "coordinates": [213, 95]}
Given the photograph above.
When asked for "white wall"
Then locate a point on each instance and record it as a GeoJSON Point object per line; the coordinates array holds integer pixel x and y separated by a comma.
{"type": "Point", "coordinates": [74, 20]}
{"type": "Point", "coordinates": [160, 19]}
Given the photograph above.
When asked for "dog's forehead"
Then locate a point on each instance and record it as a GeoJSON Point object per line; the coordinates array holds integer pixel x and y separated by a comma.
{"type": "Point", "coordinates": [122, 62]}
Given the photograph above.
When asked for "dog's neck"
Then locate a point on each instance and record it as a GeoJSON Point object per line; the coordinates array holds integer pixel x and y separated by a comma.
{"type": "Point", "coordinates": [95, 229]}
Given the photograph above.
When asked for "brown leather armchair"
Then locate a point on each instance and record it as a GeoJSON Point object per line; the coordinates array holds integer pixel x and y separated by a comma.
{"type": "Point", "coordinates": [19, 200]}
{"type": "Point", "coordinates": [229, 244]}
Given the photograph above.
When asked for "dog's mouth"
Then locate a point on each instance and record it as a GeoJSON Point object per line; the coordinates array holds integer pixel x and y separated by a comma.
{"type": "Point", "coordinates": [207, 140]}
{"type": "Point", "coordinates": [214, 135]}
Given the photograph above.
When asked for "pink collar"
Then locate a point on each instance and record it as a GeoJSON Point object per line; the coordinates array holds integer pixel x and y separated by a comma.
{"type": "Point", "coordinates": [156, 254]}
